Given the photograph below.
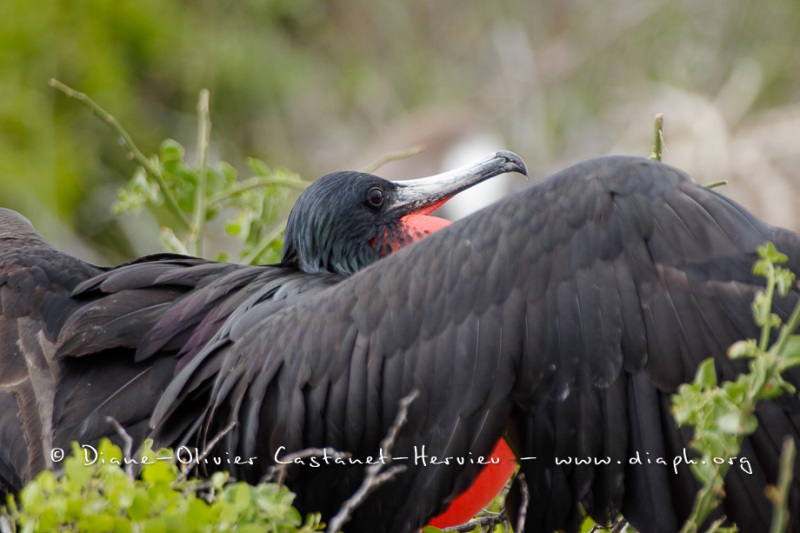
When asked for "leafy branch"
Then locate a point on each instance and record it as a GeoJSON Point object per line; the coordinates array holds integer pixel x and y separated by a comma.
{"type": "Point", "coordinates": [197, 194]}
{"type": "Point", "coordinates": [150, 166]}
{"type": "Point", "coordinates": [724, 415]}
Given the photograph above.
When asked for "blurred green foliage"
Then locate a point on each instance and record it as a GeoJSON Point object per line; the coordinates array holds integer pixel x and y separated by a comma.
{"type": "Point", "coordinates": [311, 85]}
{"type": "Point", "coordinates": [94, 493]}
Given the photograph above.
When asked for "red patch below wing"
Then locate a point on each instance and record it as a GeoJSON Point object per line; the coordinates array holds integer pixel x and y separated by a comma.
{"type": "Point", "coordinates": [486, 486]}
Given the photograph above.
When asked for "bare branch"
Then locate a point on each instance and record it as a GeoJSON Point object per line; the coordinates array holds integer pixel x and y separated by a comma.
{"type": "Point", "coordinates": [373, 477]}
{"type": "Point", "coordinates": [200, 206]}
{"type": "Point", "coordinates": [264, 243]}
{"type": "Point", "coordinates": [490, 521]}
{"type": "Point", "coordinates": [127, 445]}
{"type": "Point", "coordinates": [153, 170]}
{"type": "Point", "coordinates": [619, 525]}
{"type": "Point", "coordinates": [616, 527]}
{"type": "Point", "coordinates": [526, 498]}
{"type": "Point", "coordinates": [207, 449]}
{"type": "Point", "coordinates": [394, 156]}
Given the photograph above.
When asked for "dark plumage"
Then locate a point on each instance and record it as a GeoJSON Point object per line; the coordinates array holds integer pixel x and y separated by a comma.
{"type": "Point", "coordinates": [566, 315]}
{"type": "Point", "coordinates": [79, 343]}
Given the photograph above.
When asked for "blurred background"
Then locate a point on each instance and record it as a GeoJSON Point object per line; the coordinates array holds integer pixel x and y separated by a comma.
{"type": "Point", "coordinates": [321, 86]}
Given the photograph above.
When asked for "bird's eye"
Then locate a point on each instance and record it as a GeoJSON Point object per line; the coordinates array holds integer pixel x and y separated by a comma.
{"type": "Point", "coordinates": [375, 197]}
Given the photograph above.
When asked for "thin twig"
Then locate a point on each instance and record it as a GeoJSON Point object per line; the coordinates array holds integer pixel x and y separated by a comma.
{"type": "Point", "coordinates": [787, 331]}
{"type": "Point", "coordinates": [716, 524]}
{"type": "Point", "coordinates": [394, 156]}
{"type": "Point", "coordinates": [490, 521]}
{"type": "Point", "coordinates": [259, 249]}
{"type": "Point", "coordinates": [616, 527]}
{"type": "Point", "coordinates": [715, 184]}
{"type": "Point", "coordinates": [780, 496]}
{"type": "Point", "coordinates": [373, 477]}
{"type": "Point", "coordinates": [207, 450]}
{"type": "Point", "coordinates": [127, 445]}
{"type": "Point", "coordinates": [766, 328]}
{"type": "Point", "coordinates": [619, 525]}
{"type": "Point", "coordinates": [526, 498]}
{"type": "Point", "coordinates": [276, 473]}
{"type": "Point", "coordinates": [203, 139]}
{"type": "Point", "coordinates": [657, 145]}
{"type": "Point", "coordinates": [254, 183]}
{"type": "Point", "coordinates": [136, 154]}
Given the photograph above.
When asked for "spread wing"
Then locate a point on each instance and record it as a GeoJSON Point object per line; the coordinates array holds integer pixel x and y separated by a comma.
{"type": "Point", "coordinates": [565, 315]}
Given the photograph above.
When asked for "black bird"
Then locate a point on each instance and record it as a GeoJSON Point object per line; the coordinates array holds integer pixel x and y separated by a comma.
{"type": "Point", "coordinates": [564, 316]}
{"type": "Point", "coordinates": [79, 343]}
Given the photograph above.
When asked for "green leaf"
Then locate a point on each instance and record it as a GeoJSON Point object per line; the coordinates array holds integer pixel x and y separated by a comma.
{"type": "Point", "coordinates": [784, 279]}
{"type": "Point", "coordinates": [171, 150]}
{"type": "Point", "coordinates": [235, 228]}
{"type": "Point", "coordinates": [154, 525]}
{"type": "Point", "coordinates": [770, 253]}
{"type": "Point", "coordinates": [228, 172]}
{"type": "Point", "coordinates": [99, 523]}
{"type": "Point", "coordinates": [741, 349]}
{"type": "Point", "coordinates": [761, 308]}
{"type": "Point", "coordinates": [239, 495]}
{"type": "Point", "coordinates": [218, 479]}
{"type": "Point", "coordinates": [706, 374]}
{"type": "Point", "coordinates": [201, 512]}
{"type": "Point", "coordinates": [258, 166]}
{"type": "Point", "coordinates": [729, 423]}
{"type": "Point", "coordinates": [109, 451]}
{"type": "Point", "coordinates": [762, 268]}
{"type": "Point", "coordinates": [791, 352]}
{"type": "Point", "coordinates": [159, 472]}
{"type": "Point", "coordinates": [124, 497]}
{"type": "Point", "coordinates": [32, 495]}
{"type": "Point", "coordinates": [140, 507]}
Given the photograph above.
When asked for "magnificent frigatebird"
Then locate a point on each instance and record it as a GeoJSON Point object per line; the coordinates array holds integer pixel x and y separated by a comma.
{"type": "Point", "coordinates": [80, 343]}
{"type": "Point", "coordinates": [564, 317]}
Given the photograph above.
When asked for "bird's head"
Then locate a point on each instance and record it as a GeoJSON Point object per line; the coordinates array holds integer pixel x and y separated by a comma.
{"type": "Point", "coordinates": [346, 221]}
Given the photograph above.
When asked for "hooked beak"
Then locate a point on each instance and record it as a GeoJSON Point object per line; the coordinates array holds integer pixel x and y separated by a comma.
{"type": "Point", "coordinates": [425, 195]}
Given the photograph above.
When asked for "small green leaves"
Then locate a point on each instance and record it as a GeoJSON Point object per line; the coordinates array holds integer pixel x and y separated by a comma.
{"type": "Point", "coordinates": [743, 349]}
{"type": "Point", "coordinates": [249, 206]}
{"type": "Point", "coordinates": [706, 375]}
{"type": "Point", "coordinates": [723, 414]}
{"type": "Point", "coordinates": [195, 194]}
{"type": "Point", "coordinates": [139, 193]}
{"type": "Point", "coordinates": [94, 494]}
{"type": "Point", "coordinates": [767, 252]}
